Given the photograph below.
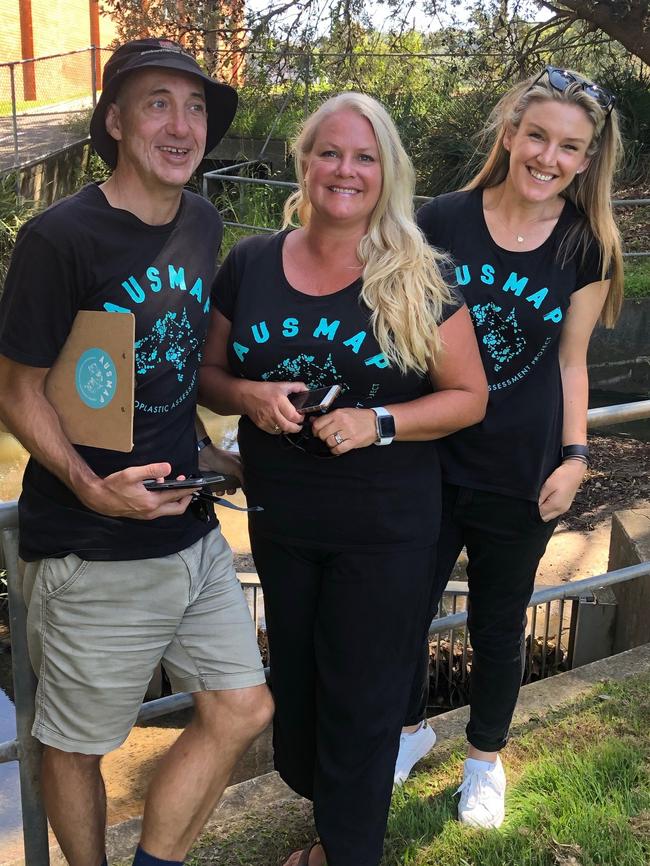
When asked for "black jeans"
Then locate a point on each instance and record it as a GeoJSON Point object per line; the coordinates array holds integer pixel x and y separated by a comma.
{"type": "Point", "coordinates": [345, 632]}
{"type": "Point", "coordinates": [505, 540]}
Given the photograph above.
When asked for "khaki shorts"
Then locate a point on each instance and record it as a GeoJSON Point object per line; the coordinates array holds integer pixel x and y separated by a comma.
{"type": "Point", "coordinates": [97, 631]}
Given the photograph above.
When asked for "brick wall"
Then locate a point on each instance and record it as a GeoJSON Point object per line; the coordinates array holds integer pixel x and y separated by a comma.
{"type": "Point", "coordinates": [58, 26]}
{"type": "Point", "coordinates": [10, 31]}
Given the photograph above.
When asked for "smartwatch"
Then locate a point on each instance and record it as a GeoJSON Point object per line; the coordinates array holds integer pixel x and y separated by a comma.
{"type": "Point", "coordinates": [385, 426]}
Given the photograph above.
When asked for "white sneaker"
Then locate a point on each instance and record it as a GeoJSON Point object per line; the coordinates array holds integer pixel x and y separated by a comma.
{"type": "Point", "coordinates": [413, 747]}
{"type": "Point", "coordinates": [482, 794]}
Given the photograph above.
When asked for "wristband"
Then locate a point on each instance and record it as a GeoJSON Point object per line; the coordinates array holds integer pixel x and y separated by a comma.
{"type": "Point", "coordinates": [579, 459]}
{"type": "Point", "coordinates": [203, 443]}
{"type": "Point", "coordinates": [579, 451]}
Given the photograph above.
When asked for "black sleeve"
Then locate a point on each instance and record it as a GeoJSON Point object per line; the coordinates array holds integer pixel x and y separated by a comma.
{"type": "Point", "coordinates": [41, 298]}
{"type": "Point", "coordinates": [427, 219]}
{"type": "Point", "coordinates": [589, 266]}
{"type": "Point", "coordinates": [226, 285]}
{"type": "Point", "coordinates": [458, 301]}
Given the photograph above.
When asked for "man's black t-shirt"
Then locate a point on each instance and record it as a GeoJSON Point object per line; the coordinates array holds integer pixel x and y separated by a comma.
{"type": "Point", "coordinates": [83, 254]}
{"type": "Point", "coordinates": [369, 498]}
{"type": "Point", "coordinates": [517, 301]}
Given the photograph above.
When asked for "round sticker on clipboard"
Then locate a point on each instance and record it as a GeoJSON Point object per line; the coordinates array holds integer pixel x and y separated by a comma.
{"type": "Point", "coordinates": [96, 378]}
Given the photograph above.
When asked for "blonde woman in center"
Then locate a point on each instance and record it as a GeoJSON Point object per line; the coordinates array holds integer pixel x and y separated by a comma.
{"type": "Point", "coordinates": [346, 545]}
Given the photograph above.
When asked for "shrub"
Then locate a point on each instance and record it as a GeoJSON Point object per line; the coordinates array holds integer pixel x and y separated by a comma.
{"type": "Point", "coordinates": [14, 212]}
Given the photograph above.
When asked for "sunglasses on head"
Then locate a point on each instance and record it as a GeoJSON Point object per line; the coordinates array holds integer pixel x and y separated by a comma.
{"type": "Point", "coordinates": [560, 79]}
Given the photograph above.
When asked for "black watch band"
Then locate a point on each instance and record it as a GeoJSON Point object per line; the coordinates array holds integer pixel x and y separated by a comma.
{"type": "Point", "coordinates": [203, 443]}
{"type": "Point", "coordinates": [579, 451]}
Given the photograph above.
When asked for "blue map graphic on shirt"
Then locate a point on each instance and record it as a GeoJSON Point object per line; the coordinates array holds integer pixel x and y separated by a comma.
{"type": "Point", "coordinates": [170, 341]}
{"type": "Point", "coordinates": [502, 338]}
{"type": "Point", "coordinates": [302, 368]}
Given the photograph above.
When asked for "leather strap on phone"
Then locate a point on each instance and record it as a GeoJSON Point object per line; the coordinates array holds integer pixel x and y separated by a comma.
{"type": "Point", "coordinates": [210, 497]}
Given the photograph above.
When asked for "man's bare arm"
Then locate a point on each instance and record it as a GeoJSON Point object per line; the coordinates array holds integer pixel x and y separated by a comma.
{"type": "Point", "coordinates": [28, 414]}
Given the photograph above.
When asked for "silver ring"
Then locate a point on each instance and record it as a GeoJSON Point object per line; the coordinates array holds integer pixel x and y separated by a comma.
{"type": "Point", "coordinates": [276, 428]}
{"type": "Point", "coordinates": [338, 438]}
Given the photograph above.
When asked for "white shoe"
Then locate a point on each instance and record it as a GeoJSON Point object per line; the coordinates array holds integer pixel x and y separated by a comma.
{"type": "Point", "coordinates": [482, 795]}
{"type": "Point", "coordinates": [413, 747]}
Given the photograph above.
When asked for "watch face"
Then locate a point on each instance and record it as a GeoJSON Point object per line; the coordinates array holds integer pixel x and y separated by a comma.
{"type": "Point", "coordinates": [386, 426]}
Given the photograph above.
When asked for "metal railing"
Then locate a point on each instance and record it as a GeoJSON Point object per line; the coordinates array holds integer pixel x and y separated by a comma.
{"type": "Point", "coordinates": [623, 413]}
{"type": "Point", "coordinates": [44, 102]}
{"type": "Point", "coordinates": [552, 653]}
{"type": "Point", "coordinates": [220, 176]}
{"type": "Point", "coordinates": [26, 750]}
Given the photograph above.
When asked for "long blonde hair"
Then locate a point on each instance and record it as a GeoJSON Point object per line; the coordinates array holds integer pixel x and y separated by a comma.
{"type": "Point", "coordinates": [589, 191]}
{"type": "Point", "coordinates": [402, 283]}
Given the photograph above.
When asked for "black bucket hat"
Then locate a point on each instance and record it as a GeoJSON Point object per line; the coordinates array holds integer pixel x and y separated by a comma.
{"type": "Point", "coordinates": [221, 99]}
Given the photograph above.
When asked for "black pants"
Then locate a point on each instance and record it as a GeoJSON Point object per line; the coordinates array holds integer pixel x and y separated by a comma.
{"type": "Point", "coordinates": [345, 633]}
{"type": "Point", "coordinates": [505, 540]}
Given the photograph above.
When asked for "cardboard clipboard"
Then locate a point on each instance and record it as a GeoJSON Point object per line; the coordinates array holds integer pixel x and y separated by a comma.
{"type": "Point", "coordinates": [91, 383]}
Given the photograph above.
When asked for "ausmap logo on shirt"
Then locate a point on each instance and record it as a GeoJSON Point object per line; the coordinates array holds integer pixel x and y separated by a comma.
{"type": "Point", "coordinates": [171, 342]}
{"type": "Point", "coordinates": [175, 281]}
{"type": "Point", "coordinates": [324, 330]}
{"type": "Point", "coordinates": [514, 283]}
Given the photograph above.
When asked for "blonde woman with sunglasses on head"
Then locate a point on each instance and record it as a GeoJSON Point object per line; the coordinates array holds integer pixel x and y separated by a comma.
{"type": "Point", "coordinates": [343, 548]}
{"type": "Point", "coordinates": [538, 259]}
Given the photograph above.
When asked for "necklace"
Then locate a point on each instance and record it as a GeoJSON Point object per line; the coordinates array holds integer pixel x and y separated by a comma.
{"type": "Point", "coordinates": [520, 238]}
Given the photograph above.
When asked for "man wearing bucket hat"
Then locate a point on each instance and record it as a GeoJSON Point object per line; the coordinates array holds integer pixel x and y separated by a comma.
{"type": "Point", "coordinates": [118, 577]}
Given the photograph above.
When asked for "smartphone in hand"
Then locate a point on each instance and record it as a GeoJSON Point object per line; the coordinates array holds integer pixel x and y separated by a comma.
{"type": "Point", "coordinates": [194, 482]}
{"type": "Point", "coordinates": [314, 400]}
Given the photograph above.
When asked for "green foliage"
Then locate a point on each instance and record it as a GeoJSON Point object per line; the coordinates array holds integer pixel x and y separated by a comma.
{"type": "Point", "coordinates": [277, 111]}
{"type": "Point", "coordinates": [251, 205]}
{"type": "Point", "coordinates": [96, 171]}
{"type": "Point", "coordinates": [637, 277]}
{"type": "Point", "coordinates": [14, 212]}
{"type": "Point", "coordinates": [439, 87]}
{"type": "Point", "coordinates": [445, 148]}
{"type": "Point", "coordinates": [631, 84]}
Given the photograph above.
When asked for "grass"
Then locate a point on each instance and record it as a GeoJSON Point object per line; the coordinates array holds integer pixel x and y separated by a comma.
{"type": "Point", "coordinates": [579, 795]}
{"type": "Point", "coordinates": [637, 277]}
{"type": "Point", "coordinates": [256, 206]}
{"type": "Point", "coordinates": [579, 787]}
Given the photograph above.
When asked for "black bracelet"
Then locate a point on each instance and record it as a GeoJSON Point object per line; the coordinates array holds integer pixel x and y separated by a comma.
{"type": "Point", "coordinates": [582, 460]}
{"type": "Point", "coordinates": [581, 451]}
{"type": "Point", "coordinates": [203, 443]}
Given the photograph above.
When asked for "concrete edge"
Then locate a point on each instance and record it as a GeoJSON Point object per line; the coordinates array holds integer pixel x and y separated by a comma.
{"type": "Point", "coordinates": [536, 700]}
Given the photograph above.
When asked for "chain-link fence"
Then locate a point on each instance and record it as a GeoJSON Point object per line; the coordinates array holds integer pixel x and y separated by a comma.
{"type": "Point", "coordinates": [45, 104]}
